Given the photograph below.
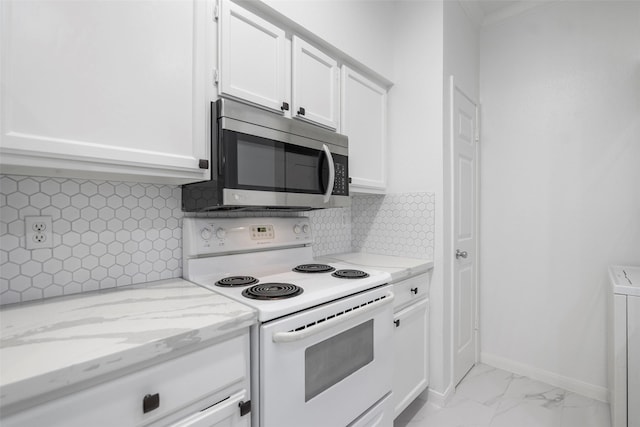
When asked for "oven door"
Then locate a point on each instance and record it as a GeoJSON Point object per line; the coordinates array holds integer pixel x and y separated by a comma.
{"type": "Point", "coordinates": [328, 365]}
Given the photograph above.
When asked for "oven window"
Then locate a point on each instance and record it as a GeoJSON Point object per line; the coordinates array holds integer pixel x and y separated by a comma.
{"type": "Point", "coordinates": [335, 358]}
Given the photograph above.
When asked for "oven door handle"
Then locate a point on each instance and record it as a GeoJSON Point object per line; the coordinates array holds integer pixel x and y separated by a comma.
{"type": "Point", "coordinates": [332, 173]}
{"type": "Point", "coordinates": [284, 337]}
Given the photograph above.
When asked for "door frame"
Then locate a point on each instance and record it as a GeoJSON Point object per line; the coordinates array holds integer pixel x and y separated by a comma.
{"type": "Point", "coordinates": [450, 246]}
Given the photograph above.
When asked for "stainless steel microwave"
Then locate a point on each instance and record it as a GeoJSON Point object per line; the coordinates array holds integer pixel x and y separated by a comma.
{"type": "Point", "coordinates": [263, 161]}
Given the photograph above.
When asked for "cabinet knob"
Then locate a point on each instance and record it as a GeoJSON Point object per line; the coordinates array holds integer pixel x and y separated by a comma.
{"type": "Point", "coordinates": [397, 322]}
{"type": "Point", "coordinates": [301, 111]}
{"type": "Point", "coordinates": [285, 106]}
{"type": "Point", "coordinates": [415, 291]}
{"type": "Point", "coordinates": [203, 164]}
{"type": "Point", "coordinates": [150, 402]}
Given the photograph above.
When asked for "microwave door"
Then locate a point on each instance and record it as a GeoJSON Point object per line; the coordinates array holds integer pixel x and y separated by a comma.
{"type": "Point", "coordinates": [305, 171]}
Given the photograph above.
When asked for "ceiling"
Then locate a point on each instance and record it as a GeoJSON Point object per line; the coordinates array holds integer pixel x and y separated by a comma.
{"type": "Point", "coordinates": [489, 11]}
{"type": "Point", "coordinates": [490, 6]}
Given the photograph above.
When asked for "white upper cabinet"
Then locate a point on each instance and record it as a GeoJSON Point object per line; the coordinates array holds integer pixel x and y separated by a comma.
{"type": "Point", "coordinates": [106, 89]}
{"type": "Point", "coordinates": [252, 58]}
{"type": "Point", "coordinates": [364, 121]}
{"type": "Point", "coordinates": [316, 84]}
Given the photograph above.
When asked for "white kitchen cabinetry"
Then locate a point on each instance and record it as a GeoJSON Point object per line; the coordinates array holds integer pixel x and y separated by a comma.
{"type": "Point", "coordinates": [251, 58]}
{"type": "Point", "coordinates": [260, 65]}
{"type": "Point", "coordinates": [364, 121]}
{"type": "Point", "coordinates": [102, 89]}
{"type": "Point", "coordinates": [410, 340]}
{"type": "Point", "coordinates": [202, 388]}
{"type": "Point", "coordinates": [316, 84]}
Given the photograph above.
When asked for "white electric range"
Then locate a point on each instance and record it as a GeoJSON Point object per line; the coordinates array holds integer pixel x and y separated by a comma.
{"type": "Point", "coordinates": [321, 354]}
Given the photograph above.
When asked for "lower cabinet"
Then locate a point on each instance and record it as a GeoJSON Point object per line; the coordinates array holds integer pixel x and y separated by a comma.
{"type": "Point", "coordinates": [204, 388]}
{"type": "Point", "coordinates": [411, 360]}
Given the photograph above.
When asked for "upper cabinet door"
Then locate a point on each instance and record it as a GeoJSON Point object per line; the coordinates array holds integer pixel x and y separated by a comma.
{"type": "Point", "coordinates": [316, 81]}
{"type": "Point", "coordinates": [252, 58]}
{"type": "Point", "coordinates": [105, 89]}
{"type": "Point", "coordinates": [364, 121]}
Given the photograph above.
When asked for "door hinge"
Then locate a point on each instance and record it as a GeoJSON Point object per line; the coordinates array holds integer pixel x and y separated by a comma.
{"type": "Point", "coordinates": [216, 76]}
{"type": "Point", "coordinates": [245, 407]}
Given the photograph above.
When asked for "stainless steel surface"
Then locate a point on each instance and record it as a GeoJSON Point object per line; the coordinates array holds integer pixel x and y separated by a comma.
{"type": "Point", "coordinates": [233, 197]}
{"type": "Point", "coordinates": [289, 138]}
{"type": "Point", "coordinates": [253, 115]}
{"type": "Point", "coordinates": [461, 254]}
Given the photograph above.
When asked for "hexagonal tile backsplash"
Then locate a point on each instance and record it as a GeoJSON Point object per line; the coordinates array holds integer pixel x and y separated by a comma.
{"type": "Point", "coordinates": [108, 234]}
{"type": "Point", "coordinates": [395, 224]}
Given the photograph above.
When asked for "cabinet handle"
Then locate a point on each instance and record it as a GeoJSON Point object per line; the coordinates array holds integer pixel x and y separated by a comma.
{"type": "Point", "coordinates": [285, 106]}
{"type": "Point", "coordinates": [301, 111]}
{"type": "Point", "coordinates": [397, 322]}
{"type": "Point", "coordinates": [203, 164]}
{"type": "Point", "coordinates": [415, 291]}
{"type": "Point", "coordinates": [150, 402]}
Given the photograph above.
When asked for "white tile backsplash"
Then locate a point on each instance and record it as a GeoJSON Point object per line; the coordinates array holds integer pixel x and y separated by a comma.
{"type": "Point", "coordinates": [394, 224]}
{"type": "Point", "coordinates": [109, 234]}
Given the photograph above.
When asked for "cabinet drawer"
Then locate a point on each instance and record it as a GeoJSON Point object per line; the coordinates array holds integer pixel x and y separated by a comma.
{"type": "Point", "coordinates": [410, 290]}
{"type": "Point", "coordinates": [178, 383]}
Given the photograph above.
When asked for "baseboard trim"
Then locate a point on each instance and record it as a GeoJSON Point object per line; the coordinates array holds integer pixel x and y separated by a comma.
{"type": "Point", "coordinates": [439, 398]}
{"type": "Point", "coordinates": [567, 383]}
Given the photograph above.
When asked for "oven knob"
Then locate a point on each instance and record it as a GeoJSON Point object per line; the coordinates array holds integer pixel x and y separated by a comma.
{"type": "Point", "coordinates": [296, 229]}
{"type": "Point", "coordinates": [305, 229]}
{"type": "Point", "coordinates": [221, 233]}
{"type": "Point", "coordinates": [206, 233]}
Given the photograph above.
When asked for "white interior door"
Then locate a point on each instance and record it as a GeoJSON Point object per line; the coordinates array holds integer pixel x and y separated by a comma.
{"type": "Point", "coordinates": [464, 141]}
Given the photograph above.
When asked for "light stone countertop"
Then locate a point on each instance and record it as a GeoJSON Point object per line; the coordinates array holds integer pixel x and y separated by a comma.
{"type": "Point", "coordinates": [60, 342]}
{"type": "Point", "coordinates": [400, 268]}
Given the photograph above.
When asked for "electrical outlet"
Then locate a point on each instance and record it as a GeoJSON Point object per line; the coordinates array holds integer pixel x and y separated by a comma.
{"type": "Point", "coordinates": [38, 232]}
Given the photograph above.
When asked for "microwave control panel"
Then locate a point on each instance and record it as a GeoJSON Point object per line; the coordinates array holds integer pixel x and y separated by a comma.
{"type": "Point", "coordinates": [341, 182]}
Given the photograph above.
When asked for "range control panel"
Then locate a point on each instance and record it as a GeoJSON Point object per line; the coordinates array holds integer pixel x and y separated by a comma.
{"type": "Point", "coordinates": [261, 232]}
{"type": "Point", "coordinates": [204, 236]}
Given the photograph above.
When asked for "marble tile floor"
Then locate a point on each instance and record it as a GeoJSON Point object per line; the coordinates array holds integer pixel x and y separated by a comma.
{"type": "Point", "coordinates": [491, 397]}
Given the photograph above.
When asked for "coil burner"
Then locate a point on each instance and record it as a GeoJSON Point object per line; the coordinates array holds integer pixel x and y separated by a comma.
{"type": "Point", "coordinates": [270, 291]}
{"type": "Point", "coordinates": [313, 268]}
{"type": "Point", "coordinates": [235, 281]}
{"type": "Point", "coordinates": [350, 274]}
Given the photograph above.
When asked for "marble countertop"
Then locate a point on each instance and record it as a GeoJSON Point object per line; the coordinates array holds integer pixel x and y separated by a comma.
{"type": "Point", "coordinates": [52, 344]}
{"type": "Point", "coordinates": [400, 268]}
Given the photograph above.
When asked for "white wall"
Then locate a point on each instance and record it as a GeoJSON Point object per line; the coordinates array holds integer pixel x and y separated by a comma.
{"type": "Point", "coordinates": [415, 144]}
{"type": "Point", "coordinates": [560, 184]}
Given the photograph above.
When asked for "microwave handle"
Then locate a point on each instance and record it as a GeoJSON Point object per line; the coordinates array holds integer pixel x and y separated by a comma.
{"type": "Point", "coordinates": [332, 173]}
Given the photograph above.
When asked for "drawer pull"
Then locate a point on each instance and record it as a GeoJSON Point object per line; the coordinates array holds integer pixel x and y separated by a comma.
{"type": "Point", "coordinates": [150, 402]}
{"type": "Point", "coordinates": [415, 291]}
{"type": "Point", "coordinates": [245, 407]}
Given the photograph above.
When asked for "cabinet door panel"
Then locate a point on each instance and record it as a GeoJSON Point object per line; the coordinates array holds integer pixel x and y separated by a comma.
{"type": "Point", "coordinates": [223, 414]}
{"type": "Point", "coordinates": [411, 361]}
{"type": "Point", "coordinates": [315, 85]}
{"type": "Point", "coordinates": [252, 57]}
{"type": "Point", "coordinates": [633, 360]}
{"type": "Point", "coordinates": [104, 84]}
{"type": "Point", "coordinates": [364, 121]}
